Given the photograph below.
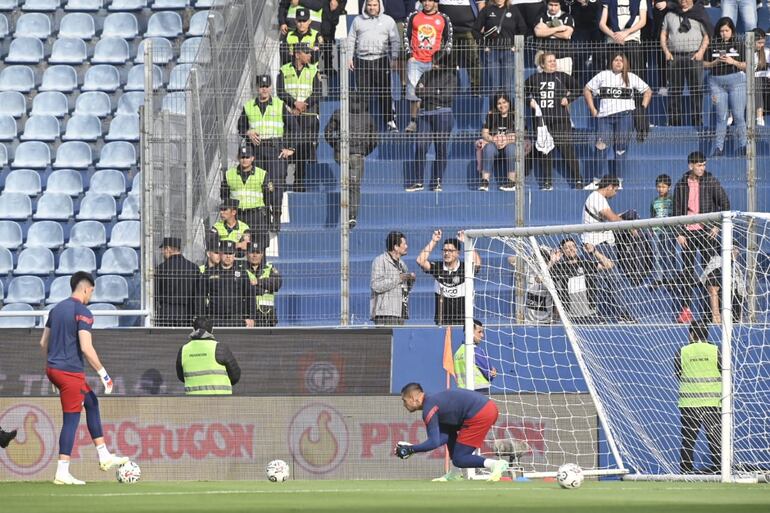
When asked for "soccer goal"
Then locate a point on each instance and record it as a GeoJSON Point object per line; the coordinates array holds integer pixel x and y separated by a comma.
{"type": "Point", "coordinates": [584, 325]}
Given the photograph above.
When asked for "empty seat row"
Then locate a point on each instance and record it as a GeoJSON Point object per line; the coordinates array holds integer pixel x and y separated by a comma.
{"type": "Point", "coordinates": [31, 290]}
{"type": "Point", "coordinates": [91, 103]}
{"type": "Point", "coordinates": [57, 206]}
{"type": "Point", "coordinates": [96, 5]}
{"type": "Point", "coordinates": [123, 127]}
{"type": "Point", "coordinates": [100, 321]}
{"type": "Point", "coordinates": [39, 261]}
{"type": "Point", "coordinates": [66, 181]}
{"type": "Point", "coordinates": [70, 155]}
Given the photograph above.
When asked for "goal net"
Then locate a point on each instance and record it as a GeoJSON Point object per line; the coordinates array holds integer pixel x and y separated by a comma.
{"type": "Point", "coordinates": [584, 326]}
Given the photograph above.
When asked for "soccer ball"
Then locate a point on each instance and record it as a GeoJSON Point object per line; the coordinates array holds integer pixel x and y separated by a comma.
{"type": "Point", "coordinates": [570, 476]}
{"type": "Point", "coordinates": [277, 471]}
{"type": "Point", "coordinates": [128, 473]}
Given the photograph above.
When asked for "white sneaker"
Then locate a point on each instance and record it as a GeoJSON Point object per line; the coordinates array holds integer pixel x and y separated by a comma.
{"type": "Point", "coordinates": [67, 479]}
{"type": "Point", "coordinates": [392, 127]}
{"type": "Point", "coordinates": [663, 91]}
{"type": "Point", "coordinates": [730, 120]}
{"type": "Point", "coordinates": [113, 461]}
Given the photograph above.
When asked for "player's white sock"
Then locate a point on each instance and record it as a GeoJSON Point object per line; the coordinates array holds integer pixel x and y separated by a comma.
{"type": "Point", "coordinates": [104, 453]}
{"type": "Point", "coordinates": [63, 467]}
{"type": "Point", "coordinates": [489, 463]}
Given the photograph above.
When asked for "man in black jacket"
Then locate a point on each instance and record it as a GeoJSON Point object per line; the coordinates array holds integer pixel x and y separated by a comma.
{"type": "Point", "coordinates": [694, 238]}
{"type": "Point", "coordinates": [177, 286]}
{"type": "Point", "coordinates": [228, 291]}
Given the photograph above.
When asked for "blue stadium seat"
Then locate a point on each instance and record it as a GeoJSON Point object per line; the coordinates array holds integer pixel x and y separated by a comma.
{"type": "Point", "coordinates": [108, 181]}
{"type": "Point", "coordinates": [14, 205]}
{"type": "Point", "coordinates": [87, 234]}
{"type": "Point", "coordinates": [32, 154]}
{"type": "Point", "coordinates": [121, 24]}
{"type": "Point", "coordinates": [102, 77]}
{"type": "Point", "coordinates": [126, 234]}
{"type": "Point", "coordinates": [10, 235]}
{"type": "Point", "coordinates": [8, 128]}
{"type": "Point", "coordinates": [93, 103]}
{"type": "Point", "coordinates": [175, 103]}
{"type": "Point", "coordinates": [170, 4]}
{"type": "Point", "coordinates": [136, 184]}
{"type": "Point", "coordinates": [208, 4]}
{"type": "Point", "coordinates": [79, 25]}
{"type": "Point", "coordinates": [41, 5]}
{"type": "Point", "coordinates": [23, 181]}
{"type": "Point", "coordinates": [36, 260]}
{"type": "Point", "coordinates": [50, 103]}
{"type": "Point", "coordinates": [162, 52]}
{"type": "Point", "coordinates": [110, 288]}
{"type": "Point", "coordinates": [25, 50]}
{"type": "Point", "coordinates": [164, 24]}
{"type": "Point", "coordinates": [12, 103]}
{"type": "Point", "coordinates": [199, 23]}
{"type": "Point", "coordinates": [18, 322]}
{"type": "Point", "coordinates": [8, 5]}
{"type": "Point", "coordinates": [17, 78]}
{"type": "Point", "coordinates": [124, 127]}
{"type": "Point", "coordinates": [135, 80]}
{"type": "Point", "coordinates": [45, 234]}
{"type": "Point", "coordinates": [83, 5]}
{"type": "Point", "coordinates": [98, 207]}
{"type": "Point", "coordinates": [131, 209]}
{"type": "Point", "coordinates": [68, 50]}
{"type": "Point", "coordinates": [103, 322]}
{"type": "Point", "coordinates": [6, 262]}
{"type": "Point", "coordinates": [119, 155]}
{"type": "Point", "coordinates": [4, 28]}
{"type": "Point", "coordinates": [35, 25]}
{"type": "Point", "coordinates": [127, 5]}
{"type": "Point", "coordinates": [60, 77]}
{"type": "Point", "coordinates": [82, 127]}
{"type": "Point", "coordinates": [3, 156]}
{"type": "Point", "coordinates": [77, 258]}
{"type": "Point", "coordinates": [111, 50]}
{"type": "Point", "coordinates": [55, 206]}
{"type": "Point", "coordinates": [60, 290]}
{"type": "Point", "coordinates": [119, 261]}
{"type": "Point", "coordinates": [41, 128]}
{"type": "Point", "coordinates": [195, 49]}
{"type": "Point", "coordinates": [130, 102]}
{"type": "Point", "coordinates": [65, 181]}
{"type": "Point", "coordinates": [26, 289]}
{"type": "Point", "coordinates": [180, 73]}
{"type": "Point", "coordinates": [73, 154]}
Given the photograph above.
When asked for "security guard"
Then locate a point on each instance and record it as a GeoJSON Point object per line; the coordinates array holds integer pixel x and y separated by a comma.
{"type": "Point", "coordinates": [288, 13]}
{"type": "Point", "coordinates": [228, 291]}
{"type": "Point", "coordinates": [247, 184]}
{"type": "Point", "coordinates": [206, 367]}
{"type": "Point", "coordinates": [302, 33]}
{"type": "Point", "coordinates": [267, 124]}
{"type": "Point", "coordinates": [266, 281]}
{"type": "Point", "coordinates": [482, 373]}
{"type": "Point", "coordinates": [699, 371]}
{"type": "Point", "coordinates": [300, 89]}
{"type": "Point", "coordinates": [229, 228]}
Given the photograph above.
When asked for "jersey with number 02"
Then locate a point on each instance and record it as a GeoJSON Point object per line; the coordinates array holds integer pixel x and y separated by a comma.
{"type": "Point", "coordinates": [548, 89]}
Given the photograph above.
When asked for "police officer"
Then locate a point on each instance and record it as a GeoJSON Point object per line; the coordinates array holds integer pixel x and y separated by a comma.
{"type": "Point", "coordinates": [266, 281]}
{"type": "Point", "coordinates": [206, 367]}
{"type": "Point", "coordinates": [228, 291]}
{"type": "Point", "coordinates": [302, 33]}
{"type": "Point", "coordinates": [267, 124]}
{"type": "Point", "coordinates": [699, 371]}
{"type": "Point", "coordinates": [213, 256]}
{"type": "Point", "coordinates": [288, 11]}
{"type": "Point", "coordinates": [177, 286]}
{"type": "Point", "coordinates": [300, 89]}
{"type": "Point", "coordinates": [482, 372]}
{"type": "Point", "coordinates": [247, 184]}
{"type": "Point", "coordinates": [229, 228]}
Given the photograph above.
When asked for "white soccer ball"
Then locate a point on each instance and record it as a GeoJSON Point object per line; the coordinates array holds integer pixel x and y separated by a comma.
{"type": "Point", "coordinates": [277, 471]}
{"type": "Point", "coordinates": [128, 473]}
{"type": "Point", "coordinates": [570, 476]}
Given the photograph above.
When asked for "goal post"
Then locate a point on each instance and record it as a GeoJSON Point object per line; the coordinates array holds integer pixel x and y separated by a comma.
{"type": "Point", "coordinates": [591, 375]}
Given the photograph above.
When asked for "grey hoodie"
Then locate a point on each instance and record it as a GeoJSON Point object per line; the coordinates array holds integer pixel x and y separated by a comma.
{"type": "Point", "coordinates": [373, 37]}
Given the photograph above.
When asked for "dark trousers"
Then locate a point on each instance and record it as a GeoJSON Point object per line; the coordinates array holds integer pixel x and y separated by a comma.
{"type": "Point", "coordinates": [698, 241]}
{"type": "Point", "coordinates": [306, 142]}
{"type": "Point", "coordinates": [356, 177]}
{"type": "Point", "coordinates": [710, 418]}
{"type": "Point", "coordinates": [267, 158]}
{"type": "Point", "coordinates": [683, 70]}
{"type": "Point", "coordinates": [258, 220]}
{"type": "Point", "coordinates": [433, 127]}
{"type": "Point", "coordinates": [373, 81]}
{"type": "Point", "coordinates": [562, 139]}
{"type": "Point", "coordinates": [265, 317]}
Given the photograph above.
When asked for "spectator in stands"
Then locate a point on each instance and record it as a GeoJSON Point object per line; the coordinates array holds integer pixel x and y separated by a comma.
{"type": "Point", "coordinates": [300, 90]}
{"type": "Point", "coordinates": [373, 45]}
{"type": "Point", "coordinates": [246, 183]}
{"type": "Point", "coordinates": [617, 87]}
{"type": "Point", "coordinates": [483, 372]}
{"type": "Point", "coordinates": [228, 292]}
{"type": "Point", "coordinates": [301, 33]}
{"type": "Point", "coordinates": [391, 283]}
{"type": "Point", "coordinates": [331, 18]}
{"type": "Point", "coordinates": [427, 38]}
{"type": "Point", "coordinates": [684, 37]}
{"type": "Point", "coordinates": [712, 280]}
{"type": "Point", "coordinates": [449, 274]}
{"type": "Point", "coordinates": [747, 10]}
{"type": "Point", "coordinates": [362, 142]}
{"type": "Point", "coordinates": [549, 93]}
{"type": "Point", "coordinates": [465, 51]}
{"type": "Point", "coordinates": [697, 192]}
{"type": "Point", "coordinates": [554, 31]}
{"type": "Point", "coordinates": [622, 22]}
{"type": "Point", "coordinates": [538, 301]}
{"type": "Point", "coordinates": [663, 239]}
{"type": "Point", "coordinates": [434, 125]}
{"type": "Point", "coordinates": [229, 227]}
{"type": "Point", "coordinates": [266, 281]}
{"type": "Point", "coordinates": [177, 286]}
{"type": "Point", "coordinates": [213, 256]}
{"type": "Point", "coordinates": [287, 13]}
{"type": "Point", "coordinates": [205, 366]}
{"type": "Point", "coordinates": [761, 74]}
{"type": "Point", "coordinates": [728, 84]}
{"type": "Point", "coordinates": [497, 25]}
{"type": "Point", "coordinates": [586, 14]}
{"type": "Point", "coordinates": [267, 124]}
{"type": "Point", "coordinates": [399, 10]}
{"type": "Point", "coordinates": [531, 11]}
{"type": "Point", "coordinates": [498, 139]}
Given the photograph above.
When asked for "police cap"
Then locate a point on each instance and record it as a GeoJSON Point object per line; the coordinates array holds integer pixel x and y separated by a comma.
{"type": "Point", "coordinates": [264, 81]}
{"type": "Point", "coordinates": [171, 242]}
{"type": "Point", "coordinates": [302, 14]}
{"type": "Point", "coordinates": [229, 203]}
{"type": "Point", "coordinates": [228, 247]}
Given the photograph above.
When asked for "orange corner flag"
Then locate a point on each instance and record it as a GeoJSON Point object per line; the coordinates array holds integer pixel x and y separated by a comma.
{"type": "Point", "coordinates": [449, 362]}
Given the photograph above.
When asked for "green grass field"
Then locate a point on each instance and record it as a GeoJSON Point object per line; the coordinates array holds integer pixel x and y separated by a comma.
{"type": "Point", "coordinates": [381, 496]}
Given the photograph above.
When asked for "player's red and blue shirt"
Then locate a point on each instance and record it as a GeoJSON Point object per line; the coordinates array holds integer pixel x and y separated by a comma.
{"type": "Point", "coordinates": [64, 322]}
{"type": "Point", "coordinates": [445, 413]}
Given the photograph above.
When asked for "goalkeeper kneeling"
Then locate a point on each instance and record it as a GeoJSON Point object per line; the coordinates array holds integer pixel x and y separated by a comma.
{"type": "Point", "coordinates": [459, 419]}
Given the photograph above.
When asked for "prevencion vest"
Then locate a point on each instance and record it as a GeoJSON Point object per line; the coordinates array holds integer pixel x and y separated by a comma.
{"type": "Point", "coordinates": [701, 383]}
{"type": "Point", "coordinates": [479, 381]}
{"type": "Point", "coordinates": [292, 38]}
{"type": "Point", "coordinates": [203, 375]}
{"type": "Point", "coordinates": [268, 125]}
{"type": "Point", "coordinates": [248, 193]}
{"type": "Point", "coordinates": [299, 87]}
